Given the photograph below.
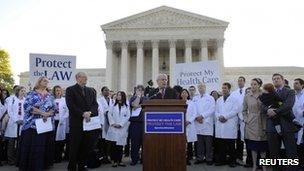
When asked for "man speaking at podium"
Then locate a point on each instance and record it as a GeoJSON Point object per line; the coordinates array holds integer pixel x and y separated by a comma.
{"type": "Point", "coordinates": [163, 91]}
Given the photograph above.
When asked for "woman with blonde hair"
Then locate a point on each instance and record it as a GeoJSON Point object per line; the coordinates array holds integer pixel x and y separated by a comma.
{"type": "Point", "coordinates": [38, 104]}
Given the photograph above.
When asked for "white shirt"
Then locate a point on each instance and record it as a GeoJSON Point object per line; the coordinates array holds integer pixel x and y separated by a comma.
{"type": "Point", "coordinates": [298, 109]}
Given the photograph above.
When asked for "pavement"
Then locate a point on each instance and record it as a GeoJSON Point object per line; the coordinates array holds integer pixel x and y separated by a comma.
{"type": "Point", "coordinates": [138, 167]}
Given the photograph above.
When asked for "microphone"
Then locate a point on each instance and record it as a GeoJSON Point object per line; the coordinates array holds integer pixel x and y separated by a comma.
{"type": "Point", "coordinates": [153, 95]}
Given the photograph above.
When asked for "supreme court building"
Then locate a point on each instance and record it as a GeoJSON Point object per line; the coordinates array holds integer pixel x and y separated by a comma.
{"type": "Point", "coordinates": [141, 46]}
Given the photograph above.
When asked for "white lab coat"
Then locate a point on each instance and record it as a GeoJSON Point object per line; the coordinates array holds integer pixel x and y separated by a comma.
{"type": "Point", "coordinates": [240, 97]}
{"type": "Point", "coordinates": [229, 110]}
{"type": "Point", "coordinates": [13, 113]}
{"type": "Point", "coordinates": [298, 109]}
{"type": "Point", "coordinates": [62, 117]}
{"type": "Point", "coordinates": [103, 108]}
{"type": "Point", "coordinates": [119, 135]}
{"type": "Point", "coordinates": [206, 108]}
{"type": "Point", "coordinates": [190, 117]}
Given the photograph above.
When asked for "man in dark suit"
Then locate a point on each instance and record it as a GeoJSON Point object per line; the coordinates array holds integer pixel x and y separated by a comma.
{"type": "Point", "coordinates": [82, 104]}
{"type": "Point", "coordinates": [284, 112]}
{"type": "Point", "coordinates": [163, 91]}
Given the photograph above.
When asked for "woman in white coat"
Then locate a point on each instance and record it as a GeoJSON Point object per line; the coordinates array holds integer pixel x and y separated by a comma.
{"type": "Point", "coordinates": [15, 112]}
{"type": "Point", "coordinates": [104, 104]}
{"type": "Point", "coordinates": [119, 115]}
{"type": "Point", "coordinates": [226, 122]}
{"type": "Point", "coordinates": [61, 115]}
{"type": "Point", "coordinates": [190, 117]}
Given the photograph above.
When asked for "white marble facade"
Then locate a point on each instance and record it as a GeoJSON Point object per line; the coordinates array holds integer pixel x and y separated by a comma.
{"type": "Point", "coordinates": [141, 46]}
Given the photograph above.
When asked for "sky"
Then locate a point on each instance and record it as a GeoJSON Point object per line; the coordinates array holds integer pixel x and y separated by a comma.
{"type": "Point", "coordinates": [260, 33]}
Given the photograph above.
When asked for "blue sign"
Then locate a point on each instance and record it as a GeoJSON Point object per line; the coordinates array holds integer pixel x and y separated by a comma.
{"type": "Point", "coordinates": [164, 122]}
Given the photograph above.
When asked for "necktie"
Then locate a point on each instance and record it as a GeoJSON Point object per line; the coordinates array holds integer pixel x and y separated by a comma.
{"type": "Point", "coordinates": [241, 91]}
{"type": "Point", "coordinates": [83, 92]}
{"type": "Point", "coordinates": [108, 100]}
{"type": "Point", "coordinates": [163, 93]}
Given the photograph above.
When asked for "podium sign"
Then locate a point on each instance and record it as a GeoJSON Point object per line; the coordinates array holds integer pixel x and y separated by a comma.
{"type": "Point", "coordinates": [164, 146]}
{"type": "Point", "coordinates": [164, 122]}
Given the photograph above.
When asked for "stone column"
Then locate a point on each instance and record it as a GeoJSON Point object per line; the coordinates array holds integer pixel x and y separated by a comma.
{"type": "Point", "coordinates": [109, 70]}
{"type": "Point", "coordinates": [204, 50]}
{"type": "Point", "coordinates": [140, 63]}
{"type": "Point", "coordinates": [188, 51]}
{"type": "Point", "coordinates": [172, 44]}
{"type": "Point", "coordinates": [220, 56]}
{"type": "Point", "coordinates": [155, 60]}
{"type": "Point", "coordinates": [124, 66]}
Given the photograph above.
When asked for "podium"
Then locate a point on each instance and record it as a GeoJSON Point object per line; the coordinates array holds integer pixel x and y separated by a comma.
{"type": "Point", "coordinates": [164, 144]}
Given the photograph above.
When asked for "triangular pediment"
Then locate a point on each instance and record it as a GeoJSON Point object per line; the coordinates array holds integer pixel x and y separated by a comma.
{"type": "Point", "coordinates": [164, 17]}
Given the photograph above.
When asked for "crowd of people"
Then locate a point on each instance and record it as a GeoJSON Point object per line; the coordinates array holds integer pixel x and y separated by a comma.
{"type": "Point", "coordinates": [265, 120]}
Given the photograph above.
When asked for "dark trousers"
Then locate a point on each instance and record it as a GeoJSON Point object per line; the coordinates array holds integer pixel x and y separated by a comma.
{"type": "Point", "coordinates": [189, 151]}
{"type": "Point", "coordinates": [300, 149]}
{"type": "Point", "coordinates": [204, 147]}
{"type": "Point", "coordinates": [249, 155]}
{"type": "Point", "coordinates": [2, 149]}
{"type": "Point", "coordinates": [67, 146]}
{"type": "Point", "coordinates": [59, 145]}
{"type": "Point", "coordinates": [239, 146]}
{"type": "Point", "coordinates": [225, 147]}
{"type": "Point", "coordinates": [11, 151]}
{"type": "Point", "coordinates": [80, 146]}
{"type": "Point", "coordinates": [104, 148]}
{"type": "Point", "coordinates": [274, 144]}
{"type": "Point", "coordinates": [116, 152]}
{"type": "Point", "coordinates": [127, 146]}
{"type": "Point", "coordinates": [136, 136]}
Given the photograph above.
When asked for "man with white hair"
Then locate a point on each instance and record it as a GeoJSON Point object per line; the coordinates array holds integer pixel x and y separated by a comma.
{"type": "Point", "coordinates": [163, 91]}
{"type": "Point", "coordinates": [82, 104]}
{"type": "Point", "coordinates": [204, 125]}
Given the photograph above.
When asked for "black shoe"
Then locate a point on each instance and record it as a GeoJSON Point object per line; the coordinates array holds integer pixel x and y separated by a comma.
{"type": "Point", "coordinates": [198, 162]}
{"type": "Point", "coordinates": [121, 164]}
{"type": "Point", "coordinates": [133, 163]}
{"type": "Point", "coordinates": [232, 165]}
{"type": "Point", "coordinates": [209, 163]}
{"type": "Point", "coordinates": [105, 161]}
{"type": "Point", "coordinates": [114, 165]}
{"type": "Point", "coordinates": [219, 163]}
{"type": "Point", "coordinates": [248, 165]}
{"type": "Point", "coordinates": [188, 163]}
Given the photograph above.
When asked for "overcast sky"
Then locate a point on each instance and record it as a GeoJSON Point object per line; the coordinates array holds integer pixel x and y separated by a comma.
{"type": "Point", "coordinates": [260, 33]}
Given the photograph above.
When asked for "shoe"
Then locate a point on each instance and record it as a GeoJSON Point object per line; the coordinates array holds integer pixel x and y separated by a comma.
{"type": "Point", "coordinates": [240, 162]}
{"type": "Point", "coordinates": [248, 165]}
{"type": "Point", "coordinates": [114, 165]}
{"type": "Point", "coordinates": [105, 161]}
{"type": "Point", "coordinates": [209, 163]}
{"type": "Point", "coordinates": [219, 163]}
{"type": "Point", "coordinates": [121, 164]}
{"type": "Point", "coordinates": [232, 165]}
{"type": "Point", "coordinates": [198, 162]}
{"type": "Point", "coordinates": [133, 163]}
{"type": "Point", "coordinates": [188, 163]}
